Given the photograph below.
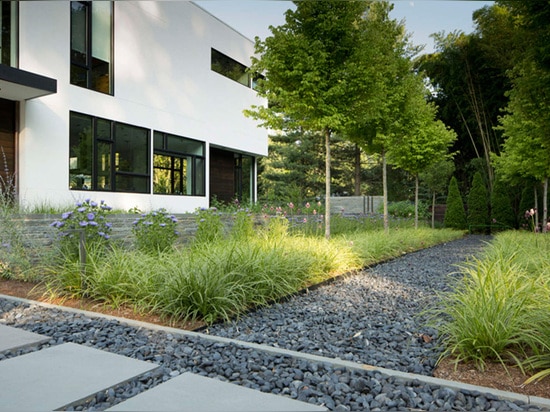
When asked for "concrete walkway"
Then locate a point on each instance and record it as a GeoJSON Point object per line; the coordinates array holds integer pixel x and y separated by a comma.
{"type": "Point", "coordinates": [67, 374]}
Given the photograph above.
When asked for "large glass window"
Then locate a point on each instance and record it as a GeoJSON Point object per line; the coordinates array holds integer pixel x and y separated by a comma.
{"type": "Point", "coordinates": [106, 155]}
{"type": "Point", "coordinates": [8, 33]}
{"type": "Point", "coordinates": [91, 45]}
{"type": "Point", "coordinates": [178, 165]}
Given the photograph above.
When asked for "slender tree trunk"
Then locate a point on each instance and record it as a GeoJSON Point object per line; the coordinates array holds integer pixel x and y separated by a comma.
{"type": "Point", "coordinates": [385, 192]}
{"type": "Point", "coordinates": [357, 170]}
{"type": "Point", "coordinates": [416, 184]}
{"type": "Point", "coordinates": [433, 210]}
{"type": "Point", "coordinates": [536, 208]}
{"type": "Point", "coordinates": [327, 183]}
{"type": "Point", "coordinates": [545, 205]}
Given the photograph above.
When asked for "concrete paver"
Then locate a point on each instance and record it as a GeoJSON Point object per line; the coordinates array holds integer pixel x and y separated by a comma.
{"type": "Point", "coordinates": [52, 378]}
{"type": "Point", "coordinates": [13, 338]}
{"type": "Point", "coordinates": [191, 393]}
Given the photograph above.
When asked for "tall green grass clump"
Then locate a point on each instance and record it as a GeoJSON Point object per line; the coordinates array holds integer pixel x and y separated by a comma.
{"type": "Point", "coordinates": [498, 310]}
{"type": "Point", "coordinates": [209, 226]}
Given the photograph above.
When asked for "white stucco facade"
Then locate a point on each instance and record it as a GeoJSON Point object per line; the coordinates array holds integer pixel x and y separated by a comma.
{"type": "Point", "coordinates": [162, 81]}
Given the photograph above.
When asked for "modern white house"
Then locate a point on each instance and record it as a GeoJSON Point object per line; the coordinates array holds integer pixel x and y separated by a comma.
{"type": "Point", "coordinates": [137, 103]}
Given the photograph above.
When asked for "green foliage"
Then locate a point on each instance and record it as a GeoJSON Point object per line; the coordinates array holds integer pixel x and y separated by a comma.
{"type": "Point", "coordinates": [406, 209]}
{"type": "Point", "coordinates": [502, 213]}
{"type": "Point", "coordinates": [228, 275]}
{"type": "Point", "coordinates": [209, 226]}
{"type": "Point", "coordinates": [478, 207]}
{"type": "Point", "coordinates": [455, 215]}
{"type": "Point", "coordinates": [243, 225]}
{"type": "Point", "coordinates": [88, 218]}
{"type": "Point", "coordinates": [155, 231]}
{"type": "Point", "coordinates": [499, 309]}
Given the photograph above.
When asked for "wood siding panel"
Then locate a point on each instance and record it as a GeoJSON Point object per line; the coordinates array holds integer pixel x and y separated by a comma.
{"type": "Point", "coordinates": [222, 175]}
{"type": "Point", "coordinates": [7, 140]}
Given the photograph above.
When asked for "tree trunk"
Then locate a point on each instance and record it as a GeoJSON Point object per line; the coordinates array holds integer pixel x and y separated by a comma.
{"type": "Point", "coordinates": [357, 170]}
{"type": "Point", "coordinates": [416, 184]}
{"type": "Point", "coordinates": [536, 208]}
{"type": "Point", "coordinates": [545, 206]}
{"type": "Point", "coordinates": [385, 192]}
{"type": "Point", "coordinates": [433, 210]}
{"type": "Point", "coordinates": [327, 183]}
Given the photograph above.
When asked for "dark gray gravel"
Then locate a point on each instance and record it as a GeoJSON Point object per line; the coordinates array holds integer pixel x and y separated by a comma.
{"type": "Point", "coordinates": [372, 317]}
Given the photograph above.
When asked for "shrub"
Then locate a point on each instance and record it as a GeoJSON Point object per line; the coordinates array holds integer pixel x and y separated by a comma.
{"type": "Point", "coordinates": [155, 231]}
{"type": "Point", "coordinates": [405, 209]}
{"type": "Point", "coordinates": [455, 215]}
{"type": "Point", "coordinates": [88, 218]}
{"type": "Point", "coordinates": [478, 209]}
{"type": "Point", "coordinates": [502, 213]}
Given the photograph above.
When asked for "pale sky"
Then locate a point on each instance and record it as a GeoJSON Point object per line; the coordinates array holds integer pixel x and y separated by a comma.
{"type": "Point", "coordinates": [422, 17]}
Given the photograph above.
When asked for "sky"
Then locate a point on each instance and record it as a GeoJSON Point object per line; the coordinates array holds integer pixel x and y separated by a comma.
{"type": "Point", "coordinates": [421, 17]}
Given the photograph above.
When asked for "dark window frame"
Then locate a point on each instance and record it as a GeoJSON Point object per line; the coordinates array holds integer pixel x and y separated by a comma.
{"type": "Point", "coordinates": [88, 66]}
{"type": "Point", "coordinates": [172, 154]}
{"type": "Point", "coordinates": [113, 172]}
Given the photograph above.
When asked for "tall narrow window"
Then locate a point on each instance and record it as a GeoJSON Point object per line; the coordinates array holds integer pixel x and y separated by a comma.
{"type": "Point", "coordinates": [91, 45]}
{"type": "Point", "coordinates": [8, 33]}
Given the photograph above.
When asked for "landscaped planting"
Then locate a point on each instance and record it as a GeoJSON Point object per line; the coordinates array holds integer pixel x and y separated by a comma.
{"type": "Point", "coordinates": [499, 308]}
{"type": "Point", "coordinates": [224, 272]}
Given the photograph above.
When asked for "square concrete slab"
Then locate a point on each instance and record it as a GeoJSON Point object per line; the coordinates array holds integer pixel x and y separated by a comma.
{"type": "Point", "coordinates": [14, 338]}
{"type": "Point", "coordinates": [194, 393]}
{"type": "Point", "coordinates": [61, 375]}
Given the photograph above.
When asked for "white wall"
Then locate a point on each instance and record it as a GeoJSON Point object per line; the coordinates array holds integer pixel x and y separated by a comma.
{"type": "Point", "coordinates": [162, 82]}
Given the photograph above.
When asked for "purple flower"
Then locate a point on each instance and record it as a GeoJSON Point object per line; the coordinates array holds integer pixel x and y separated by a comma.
{"type": "Point", "coordinates": [81, 209]}
{"type": "Point", "coordinates": [92, 223]}
{"type": "Point", "coordinates": [109, 225]}
{"type": "Point", "coordinates": [93, 204]}
{"type": "Point", "coordinates": [90, 216]}
{"type": "Point", "coordinates": [83, 223]}
{"type": "Point", "coordinates": [162, 225]}
{"type": "Point", "coordinates": [66, 215]}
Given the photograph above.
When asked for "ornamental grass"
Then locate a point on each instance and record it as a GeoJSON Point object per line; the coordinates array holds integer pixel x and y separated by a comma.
{"type": "Point", "coordinates": [224, 272]}
{"type": "Point", "coordinates": [498, 309]}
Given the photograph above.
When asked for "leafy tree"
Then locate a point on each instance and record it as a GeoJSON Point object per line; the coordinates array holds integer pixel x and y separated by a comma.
{"type": "Point", "coordinates": [470, 85]}
{"type": "Point", "coordinates": [455, 215]}
{"type": "Point", "coordinates": [291, 171]}
{"type": "Point", "coordinates": [478, 208]}
{"type": "Point", "coordinates": [526, 124]}
{"type": "Point", "coordinates": [313, 72]}
{"type": "Point", "coordinates": [422, 140]}
{"type": "Point", "coordinates": [378, 113]}
{"type": "Point", "coordinates": [436, 178]}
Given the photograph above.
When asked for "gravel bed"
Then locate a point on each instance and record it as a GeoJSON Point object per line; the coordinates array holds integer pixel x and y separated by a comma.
{"type": "Point", "coordinates": [373, 317]}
